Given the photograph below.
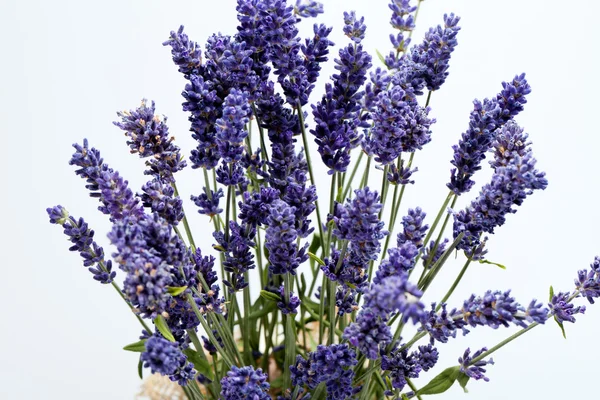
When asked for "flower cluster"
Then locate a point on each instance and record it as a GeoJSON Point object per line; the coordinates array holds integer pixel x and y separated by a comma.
{"type": "Point", "coordinates": [245, 383]}
{"type": "Point", "coordinates": [330, 364]}
{"type": "Point", "coordinates": [260, 197]}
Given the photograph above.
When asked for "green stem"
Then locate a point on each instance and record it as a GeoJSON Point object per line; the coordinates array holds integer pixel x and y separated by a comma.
{"type": "Point", "coordinates": [412, 385]}
{"type": "Point", "coordinates": [434, 225]}
{"type": "Point", "coordinates": [186, 225]}
{"type": "Point", "coordinates": [365, 178]}
{"type": "Point", "coordinates": [263, 147]}
{"type": "Point", "coordinates": [352, 174]}
{"type": "Point", "coordinates": [309, 162]}
{"type": "Point", "coordinates": [455, 284]}
{"type": "Point", "coordinates": [246, 325]}
{"type": "Point", "coordinates": [396, 202]}
{"type": "Point", "coordinates": [209, 331]}
{"type": "Point", "coordinates": [440, 235]}
{"type": "Point", "coordinates": [290, 337]}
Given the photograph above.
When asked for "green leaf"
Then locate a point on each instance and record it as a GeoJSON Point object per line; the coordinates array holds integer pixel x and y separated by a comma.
{"type": "Point", "coordinates": [137, 347]}
{"type": "Point", "coordinates": [163, 328]}
{"type": "Point", "coordinates": [463, 379]}
{"type": "Point", "coordinates": [140, 368]}
{"type": "Point", "coordinates": [200, 363]}
{"type": "Point", "coordinates": [270, 296]}
{"type": "Point", "coordinates": [562, 328]}
{"type": "Point", "coordinates": [264, 311]}
{"type": "Point", "coordinates": [380, 56]}
{"type": "Point", "coordinates": [176, 290]}
{"type": "Point", "coordinates": [442, 382]}
{"type": "Point", "coordinates": [491, 262]}
{"type": "Point", "coordinates": [315, 244]}
{"type": "Point", "coordinates": [314, 257]}
{"type": "Point", "coordinates": [551, 293]}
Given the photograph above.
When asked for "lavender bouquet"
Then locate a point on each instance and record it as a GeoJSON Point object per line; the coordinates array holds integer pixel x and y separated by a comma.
{"type": "Point", "coordinates": [336, 294]}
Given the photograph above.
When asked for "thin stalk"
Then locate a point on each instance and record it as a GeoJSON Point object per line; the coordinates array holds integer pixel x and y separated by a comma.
{"type": "Point", "coordinates": [227, 337]}
{"type": "Point", "coordinates": [412, 385]}
{"type": "Point", "coordinates": [396, 202]}
{"type": "Point", "coordinates": [118, 289]}
{"type": "Point", "coordinates": [246, 323]}
{"type": "Point", "coordinates": [263, 147]}
{"type": "Point", "coordinates": [290, 337]}
{"type": "Point", "coordinates": [209, 331]}
{"type": "Point", "coordinates": [322, 321]}
{"type": "Point", "coordinates": [435, 224]}
{"type": "Point", "coordinates": [364, 394]}
{"type": "Point", "coordinates": [365, 178]}
{"type": "Point", "coordinates": [352, 174]}
{"type": "Point", "coordinates": [455, 284]}
{"type": "Point", "coordinates": [440, 235]}
{"type": "Point", "coordinates": [308, 161]}
{"type": "Point", "coordinates": [186, 225]}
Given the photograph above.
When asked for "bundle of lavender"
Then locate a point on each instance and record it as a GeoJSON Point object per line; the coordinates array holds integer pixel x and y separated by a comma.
{"type": "Point", "coordinates": [338, 286]}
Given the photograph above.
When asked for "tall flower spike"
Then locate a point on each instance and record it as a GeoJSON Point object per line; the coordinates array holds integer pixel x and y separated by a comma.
{"type": "Point", "coordinates": [83, 242]}
{"type": "Point", "coordinates": [186, 53]}
{"type": "Point", "coordinates": [105, 184]}
{"type": "Point", "coordinates": [509, 187]}
{"type": "Point", "coordinates": [358, 222]}
{"type": "Point", "coordinates": [230, 128]}
{"type": "Point", "coordinates": [399, 125]}
{"type": "Point", "coordinates": [401, 366]}
{"type": "Point", "coordinates": [435, 51]}
{"type": "Point", "coordinates": [165, 358]}
{"type": "Point", "coordinates": [369, 333]}
{"type": "Point", "coordinates": [485, 118]}
{"type": "Point", "coordinates": [280, 240]}
{"type": "Point", "coordinates": [149, 137]}
{"type": "Point", "coordinates": [337, 115]}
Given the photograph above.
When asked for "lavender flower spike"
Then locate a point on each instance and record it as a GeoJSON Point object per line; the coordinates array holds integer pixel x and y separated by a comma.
{"type": "Point", "coordinates": [83, 242]}
{"type": "Point", "coordinates": [474, 370]}
{"type": "Point", "coordinates": [486, 117]}
{"type": "Point", "coordinates": [245, 383]}
{"type": "Point", "coordinates": [308, 8]}
{"type": "Point", "coordinates": [280, 240]}
{"type": "Point", "coordinates": [434, 53]}
{"type": "Point", "coordinates": [106, 184]}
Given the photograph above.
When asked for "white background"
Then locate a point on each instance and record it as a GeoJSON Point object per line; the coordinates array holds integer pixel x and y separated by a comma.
{"type": "Point", "coordinates": [67, 66]}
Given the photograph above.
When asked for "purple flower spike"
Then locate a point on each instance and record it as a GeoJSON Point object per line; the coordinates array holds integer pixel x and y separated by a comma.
{"type": "Point", "coordinates": [186, 53]}
{"type": "Point", "coordinates": [474, 370]}
{"type": "Point", "coordinates": [562, 309]}
{"type": "Point", "coordinates": [165, 358]}
{"type": "Point", "coordinates": [83, 242]}
{"type": "Point", "coordinates": [245, 383]}
{"type": "Point", "coordinates": [308, 8]}
{"type": "Point", "coordinates": [106, 184]}
{"type": "Point", "coordinates": [435, 51]}
{"type": "Point", "coordinates": [354, 28]}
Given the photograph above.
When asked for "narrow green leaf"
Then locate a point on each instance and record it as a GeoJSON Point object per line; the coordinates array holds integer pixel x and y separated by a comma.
{"type": "Point", "coordinates": [264, 311]}
{"type": "Point", "coordinates": [442, 382]}
{"type": "Point", "coordinates": [163, 328]}
{"type": "Point", "coordinates": [200, 363]}
{"type": "Point", "coordinates": [551, 293]}
{"type": "Point", "coordinates": [270, 296]}
{"type": "Point", "coordinates": [562, 328]}
{"type": "Point", "coordinates": [176, 290]}
{"type": "Point", "coordinates": [316, 258]}
{"type": "Point", "coordinates": [302, 290]}
{"type": "Point", "coordinates": [315, 244]}
{"type": "Point", "coordinates": [491, 262]}
{"type": "Point", "coordinates": [140, 368]}
{"type": "Point", "coordinates": [380, 56]}
{"type": "Point", "coordinates": [404, 396]}
{"type": "Point", "coordinates": [137, 347]}
{"type": "Point", "coordinates": [463, 379]}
